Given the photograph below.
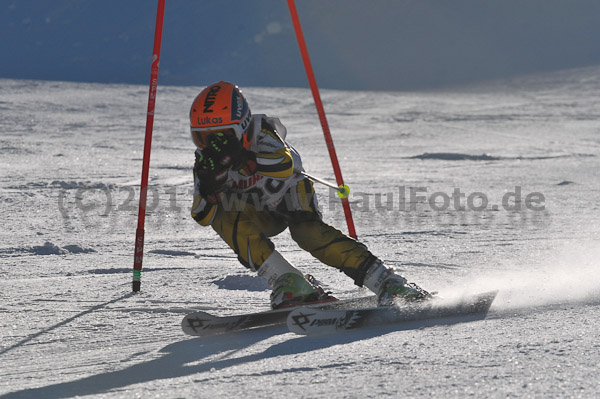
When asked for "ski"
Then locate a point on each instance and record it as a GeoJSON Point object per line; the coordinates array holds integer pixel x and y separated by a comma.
{"type": "Point", "coordinates": [305, 321]}
{"type": "Point", "coordinates": [204, 324]}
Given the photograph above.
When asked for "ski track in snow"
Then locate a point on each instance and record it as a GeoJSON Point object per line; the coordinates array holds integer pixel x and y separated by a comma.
{"type": "Point", "coordinates": [71, 158]}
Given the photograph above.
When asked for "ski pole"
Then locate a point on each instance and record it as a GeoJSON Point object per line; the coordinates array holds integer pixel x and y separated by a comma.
{"type": "Point", "coordinates": [342, 190]}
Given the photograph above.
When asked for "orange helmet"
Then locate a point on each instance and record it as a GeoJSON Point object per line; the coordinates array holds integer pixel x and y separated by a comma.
{"type": "Point", "coordinates": [220, 107]}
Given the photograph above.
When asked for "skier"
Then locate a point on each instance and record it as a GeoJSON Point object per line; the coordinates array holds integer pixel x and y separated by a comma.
{"type": "Point", "coordinates": [248, 187]}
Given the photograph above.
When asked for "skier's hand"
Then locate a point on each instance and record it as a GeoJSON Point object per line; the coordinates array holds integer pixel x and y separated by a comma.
{"type": "Point", "coordinates": [213, 177]}
{"type": "Point", "coordinates": [223, 149]}
{"type": "Point", "coordinates": [227, 151]}
{"type": "Point", "coordinates": [245, 162]}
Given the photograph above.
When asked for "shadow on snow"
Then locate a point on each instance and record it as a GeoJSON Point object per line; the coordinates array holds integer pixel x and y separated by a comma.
{"type": "Point", "coordinates": [64, 322]}
{"type": "Point", "coordinates": [181, 358]}
{"type": "Point", "coordinates": [184, 358]}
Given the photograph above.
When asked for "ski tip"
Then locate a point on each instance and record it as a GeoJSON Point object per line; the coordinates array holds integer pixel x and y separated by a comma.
{"type": "Point", "coordinates": [194, 323]}
{"type": "Point", "coordinates": [489, 294]}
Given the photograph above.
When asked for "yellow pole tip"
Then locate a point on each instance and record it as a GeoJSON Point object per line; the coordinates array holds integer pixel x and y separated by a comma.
{"type": "Point", "coordinates": [343, 191]}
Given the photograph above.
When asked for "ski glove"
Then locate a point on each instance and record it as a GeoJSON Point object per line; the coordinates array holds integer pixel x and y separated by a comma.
{"type": "Point", "coordinates": [223, 149]}
{"type": "Point", "coordinates": [212, 175]}
{"type": "Point", "coordinates": [221, 154]}
{"type": "Point", "coordinates": [228, 151]}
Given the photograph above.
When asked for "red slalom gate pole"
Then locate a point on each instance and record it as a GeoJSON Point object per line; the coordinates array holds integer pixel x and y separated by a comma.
{"type": "Point", "coordinates": [315, 92]}
{"type": "Point", "coordinates": [139, 233]}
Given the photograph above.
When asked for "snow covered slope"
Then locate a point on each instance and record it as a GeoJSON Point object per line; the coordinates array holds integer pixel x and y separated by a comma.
{"type": "Point", "coordinates": [70, 156]}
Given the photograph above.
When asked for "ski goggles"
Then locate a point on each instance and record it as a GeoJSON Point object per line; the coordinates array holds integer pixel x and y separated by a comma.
{"type": "Point", "coordinates": [200, 134]}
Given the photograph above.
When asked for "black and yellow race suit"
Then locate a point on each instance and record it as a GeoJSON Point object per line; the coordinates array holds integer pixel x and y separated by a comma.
{"type": "Point", "coordinates": [276, 197]}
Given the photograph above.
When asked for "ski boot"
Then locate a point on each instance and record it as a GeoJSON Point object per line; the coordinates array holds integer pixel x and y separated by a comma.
{"type": "Point", "coordinates": [399, 289]}
{"type": "Point", "coordinates": [292, 289]}
{"type": "Point", "coordinates": [391, 287]}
